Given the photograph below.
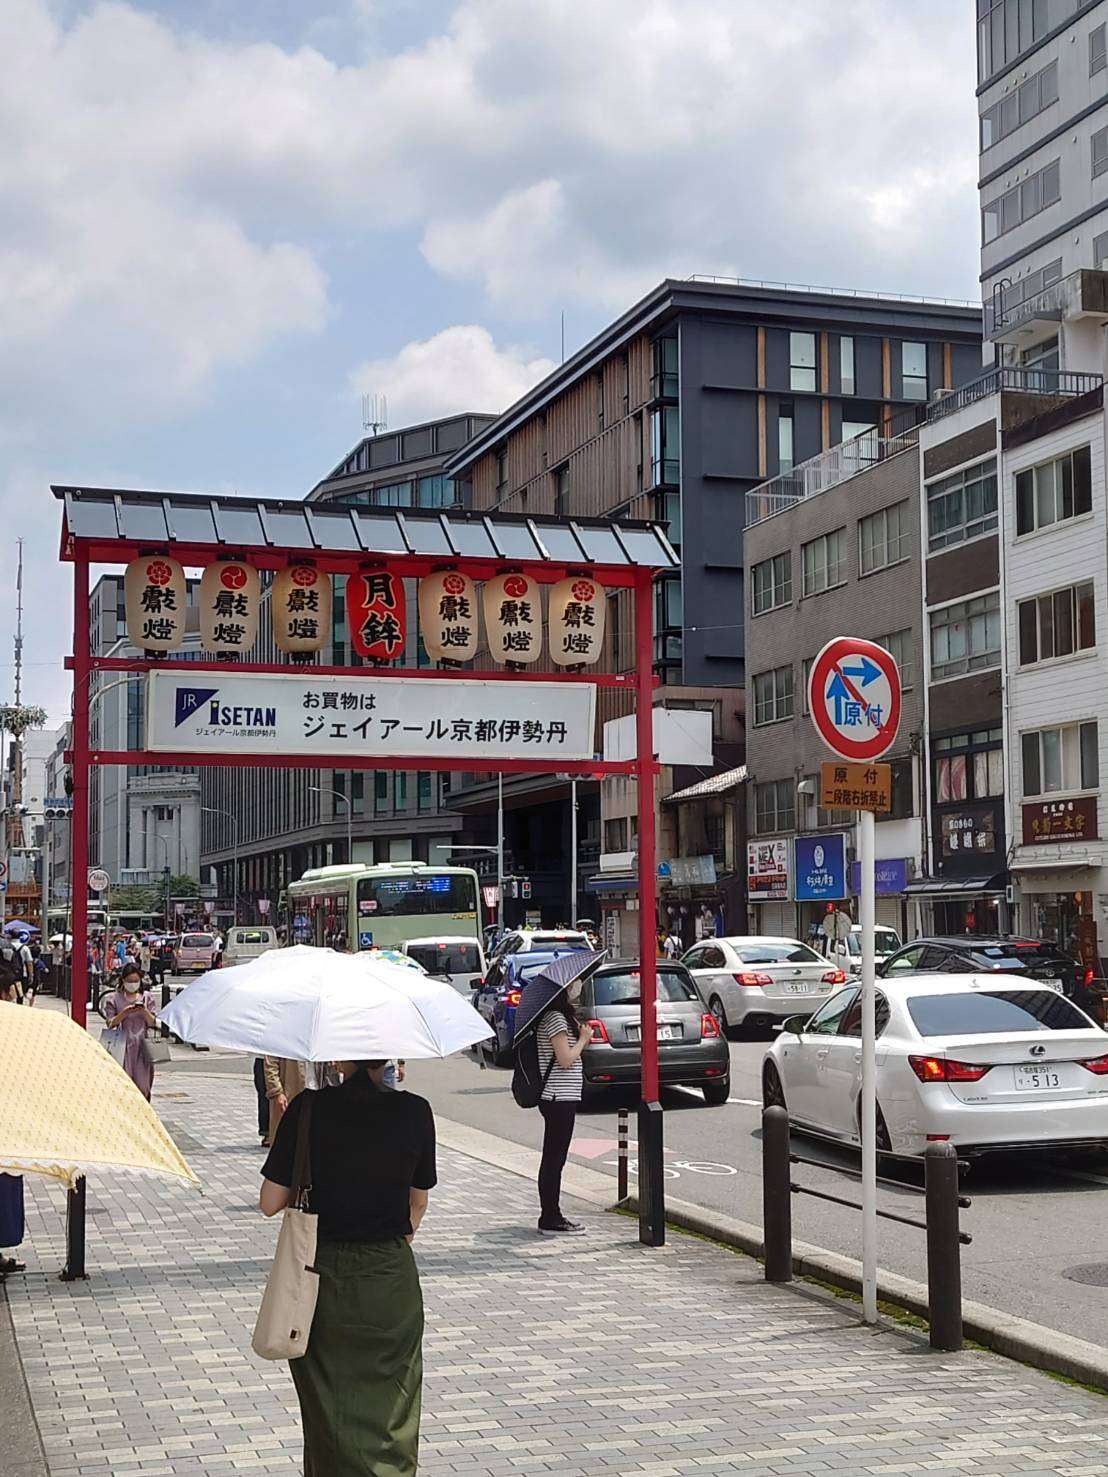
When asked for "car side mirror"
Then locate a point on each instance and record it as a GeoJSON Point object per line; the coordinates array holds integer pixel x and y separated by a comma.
{"type": "Point", "coordinates": [879, 968]}
{"type": "Point", "coordinates": [796, 1025]}
{"type": "Point", "coordinates": [476, 983]}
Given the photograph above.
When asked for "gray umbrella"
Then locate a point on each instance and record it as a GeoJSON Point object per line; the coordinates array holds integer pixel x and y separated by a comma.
{"type": "Point", "coordinates": [550, 982]}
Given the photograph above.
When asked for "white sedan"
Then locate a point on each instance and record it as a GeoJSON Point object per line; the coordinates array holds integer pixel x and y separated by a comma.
{"type": "Point", "coordinates": [755, 980]}
{"type": "Point", "coordinates": [984, 1061]}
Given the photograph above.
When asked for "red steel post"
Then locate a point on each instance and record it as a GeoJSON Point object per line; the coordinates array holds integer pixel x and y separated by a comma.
{"type": "Point", "coordinates": [79, 826]}
{"type": "Point", "coordinates": [645, 769]}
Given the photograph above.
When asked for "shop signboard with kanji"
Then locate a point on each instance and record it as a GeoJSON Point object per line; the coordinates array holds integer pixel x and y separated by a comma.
{"type": "Point", "coordinates": [513, 619]}
{"type": "Point", "coordinates": [856, 786]}
{"type": "Point", "coordinates": [854, 698]}
{"type": "Point", "coordinates": [970, 830]}
{"type": "Point", "coordinates": [1060, 820]}
{"type": "Point", "coordinates": [448, 616]}
{"type": "Point", "coordinates": [155, 595]}
{"type": "Point", "coordinates": [577, 606]}
{"type": "Point", "coordinates": [230, 599]}
{"type": "Point", "coordinates": [300, 606]}
{"type": "Point", "coordinates": [376, 615]}
{"type": "Point", "coordinates": [767, 870]}
{"type": "Point", "coordinates": [345, 716]}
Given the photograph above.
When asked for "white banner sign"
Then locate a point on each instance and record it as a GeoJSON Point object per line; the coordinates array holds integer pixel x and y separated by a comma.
{"type": "Point", "coordinates": [341, 717]}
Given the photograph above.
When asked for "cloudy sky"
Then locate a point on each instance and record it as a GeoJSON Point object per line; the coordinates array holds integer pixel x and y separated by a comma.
{"type": "Point", "coordinates": [220, 223]}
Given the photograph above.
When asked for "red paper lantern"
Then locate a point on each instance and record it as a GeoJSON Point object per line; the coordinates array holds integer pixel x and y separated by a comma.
{"type": "Point", "coordinates": [376, 614]}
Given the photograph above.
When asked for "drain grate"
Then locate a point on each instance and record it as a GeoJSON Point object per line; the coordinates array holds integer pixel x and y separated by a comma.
{"type": "Point", "coordinates": [1093, 1275]}
{"type": "Point", "coordinates": [182, 1138]}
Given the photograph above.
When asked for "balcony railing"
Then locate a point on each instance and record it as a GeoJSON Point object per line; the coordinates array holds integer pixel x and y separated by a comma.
{"type": "Point", "coordinates": [1083, 293]}
{"type": "Point", "coordinates": [819, 473]}
{"type": "Point", "coordinates": [1061, 382]}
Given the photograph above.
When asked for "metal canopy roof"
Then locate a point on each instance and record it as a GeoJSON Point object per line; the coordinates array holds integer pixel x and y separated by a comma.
{"type": "Point", "coordinates": [715, 784]}
{"type": "Point", "coordinates": [101, 517]}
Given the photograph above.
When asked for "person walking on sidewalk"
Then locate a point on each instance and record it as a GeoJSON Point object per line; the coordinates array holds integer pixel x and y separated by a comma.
{"type": "Point", "coordinates": [284, 1079]}
{"type": "Point", "coordinates": [371, 1165]}
{"type": "Point", "coordinates": [561, 1042]}
{"type": "Point", "coordinates": [11, 1185]}
{"type": "Point", "coordinates": [131, 1009]}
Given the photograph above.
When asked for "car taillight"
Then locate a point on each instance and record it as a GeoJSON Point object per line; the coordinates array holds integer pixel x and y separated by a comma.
{"type": "Point", "coordinates": [749, 978]}
{"type": "Point", "coordinates": [599, 1034]}
{"type": "Point", "coordinates": [1098, 1065]}
{"type": "Point", "coordinates": [709, 1027]}
{"type": "Point", "coordinates": [1090, 975]}
{"type": "Point", "coordinates": [512, 997]}
{"type": "Point", "coordinates": [939, 1069]}
{"type": "Point", "coordinates": [835, 977]}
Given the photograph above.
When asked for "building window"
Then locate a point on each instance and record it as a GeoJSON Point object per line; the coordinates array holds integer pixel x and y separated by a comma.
{"type": "Point", "coordinates": [392, 495]}
{"type": "Point", "coordinates": [965, 637]}
{"type": "Point", "coordinates": [600, 401]}
{"type": "Point", "coordinates": [824, 562]}
{"type": "Point", "coordinates": [884, 538]}
{"type": "Point", "coordinates": [901, 646]}
{"type": "Point", "coordinates": [1100, 151]}
{"type": "Point", "coordinates": [1020, 105]}
{"type": "Point", "coordinates": [1064, 758]}
{"type": "Point", "coordinates": [775, 806]}
{"type": "Point", "coordinates": [615, 833]}
{"type": "Point", "coordinates": [773, 583]}
{"type": "Point", "coordinates": [667, 510]}
{"type": "Point", "coordinates": [625, 375]}
{"type": "Point", "coordinates": [1005, 28]}
{"type": "Point", "coordinates": [1057, 624]}
{"type": "Point", "coordinates": [846, 365]}
{"type": "Point", "coordinates": [381, 789]}
{"type": "Point", "coordinates": [969, 766]}
{"type": "Point", "coordinates": [665, 446]}
{"type": "Point", "coordinates": [668, 607]}
{"type": "Point", "coordinates": [961, 507]}
{"type": "Point", "coordinates": [1021, 202]}
{"type": "Point", "coordinates": [1098, 51]}
{"type": "Point", "coordinates": [561, 490]}
{"type": "Point", "coordinates": [502, 473]}
{"type": "Point", "coordinates": [1054, 491]}
{"type": "Point", "coordinates": [663, 380]}
{"type": "Point", "coordinates": [785, 437]}
{"type": "Point", "coordinates": [773, 696]}
{"type": "Point", "coordinates": [802, 361]}
{"type": "Point", "coordinates": [913, 370]}
{"type": "Point", "coordinates": [423, 790]}
{"type": "Point", "coordinates": [435, 492]}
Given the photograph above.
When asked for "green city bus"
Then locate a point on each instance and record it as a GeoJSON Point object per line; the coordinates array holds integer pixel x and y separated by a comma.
{"type": "Point", "coordinates": [380, 906]}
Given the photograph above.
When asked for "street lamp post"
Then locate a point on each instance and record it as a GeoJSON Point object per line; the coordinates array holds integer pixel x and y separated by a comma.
{"type": "Point", "coordinates": [346, 799]}
{"type": "Point", "coordinates": [233, 818]}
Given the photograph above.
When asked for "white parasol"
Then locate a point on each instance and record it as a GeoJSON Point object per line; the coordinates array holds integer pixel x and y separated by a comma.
{"type": "Point", "coordinates": [318, 1006]}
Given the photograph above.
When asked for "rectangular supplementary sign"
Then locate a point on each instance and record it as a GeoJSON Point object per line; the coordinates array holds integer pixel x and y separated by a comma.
{"type": "Point", "coordinates": [340, 717]}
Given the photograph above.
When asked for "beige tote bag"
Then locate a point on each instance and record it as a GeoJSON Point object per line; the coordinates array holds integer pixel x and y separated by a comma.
{"type": "Point", "coordinates": [288, 1303]}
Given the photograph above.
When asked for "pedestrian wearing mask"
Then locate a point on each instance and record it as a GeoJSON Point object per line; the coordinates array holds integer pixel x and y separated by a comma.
{"type": "Point", "coordinates": [371, 1165]}
{"type": "Point", "coordinates": [131, 1010]}
{"type": "Point", "coordinates": [561, 1040]}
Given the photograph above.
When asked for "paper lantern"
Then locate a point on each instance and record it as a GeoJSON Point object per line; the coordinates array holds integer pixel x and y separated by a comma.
{"type": "Point", "coordinates": [230, 597]}
{"type": "Point", "coordinates": [156, 595]}
{"type": "Point", "coordinates": [448, 616]}
{"type": "Point", "coordinates": [513, 618]}
{"type": "Point", "coordinates": [301, 608]}
{"type": "Point", "coordinates": [376, 615]}
{"type": "Point", "coordinates": [577, 607]}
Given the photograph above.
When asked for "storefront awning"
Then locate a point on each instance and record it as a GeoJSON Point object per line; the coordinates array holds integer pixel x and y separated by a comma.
{"type": "Point", "coordinates": [1084, 862]}
{"type": "Point", "coordinates": [715, 784]}
{"type": "Point", "coordinates": [958, 886]}
{"type": "Point", "coordinates": [607, 883]}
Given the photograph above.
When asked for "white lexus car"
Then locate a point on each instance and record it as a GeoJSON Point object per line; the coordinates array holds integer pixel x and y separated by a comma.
{"type": "Point", "coordinates": [984, 1061]}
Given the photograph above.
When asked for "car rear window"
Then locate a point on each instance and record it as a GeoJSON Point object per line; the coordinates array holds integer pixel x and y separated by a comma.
{"type": "Point", "coordinates": [623, 989]}
{"type": "Point", "coordinates": [446, 958]}
{"type": "Point", "coordinates": [197, 941]}
{"type": "Point", "coordinates": [980, 1012]}
{"type": "Point", "coordinates": [778, 954]}
{"type": "Point", "coordinates": [251, 936]}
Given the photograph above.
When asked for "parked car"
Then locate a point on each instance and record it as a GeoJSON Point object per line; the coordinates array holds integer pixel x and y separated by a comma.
{"type": "Point", "coordinates": [525, 940]}
{"type": "Point", "coordinates": [246, 943]}
{"type": "Point", "coordinates": [691, 1047]}
{"type": "Point", "coordinates": [456, 958]}
{"type": "Point", "coordinates": [194, 953]}
{"type": "Point", "coordinates": [975, 953]}
{"type": "Point", "coordinates": [988, 1062]}
{"type": "Point", "coordinates": [750, 981]}
{"type": "Point", "coordinates": [847, 953]}
{"type": "Point", "coordinates": [497, 995]}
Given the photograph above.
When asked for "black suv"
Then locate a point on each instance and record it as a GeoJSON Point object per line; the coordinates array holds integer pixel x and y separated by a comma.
{"type": "Point", "coordinates": [979, 954]}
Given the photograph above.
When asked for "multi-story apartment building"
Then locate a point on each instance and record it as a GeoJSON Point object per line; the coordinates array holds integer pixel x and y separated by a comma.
{"type": "Point", "coordinates": [695, 395]}
{"type": "Point", "coordinates": [834, 549]}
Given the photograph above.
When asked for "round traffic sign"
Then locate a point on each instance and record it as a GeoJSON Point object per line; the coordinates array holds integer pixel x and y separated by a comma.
{"type": "Point", "coordinates": [854, 697]}
{"type": "Point", "coordinates": [98, 879]}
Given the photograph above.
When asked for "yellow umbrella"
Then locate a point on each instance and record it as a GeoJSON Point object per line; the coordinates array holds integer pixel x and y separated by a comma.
{"type": "Point", "coordinates": [67, 1108]}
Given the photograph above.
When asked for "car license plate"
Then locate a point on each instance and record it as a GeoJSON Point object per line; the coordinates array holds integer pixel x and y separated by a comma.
{"type": "Point", "coordinates": [666, 1032]}
{"type": "Point", "coordinates": [1030, 1079]}
{"type": "Point", "coordinates": [797, 987]}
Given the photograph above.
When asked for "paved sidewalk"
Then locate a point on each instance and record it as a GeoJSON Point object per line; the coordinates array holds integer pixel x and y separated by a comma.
{"type": "Point", "coordinates": [582, 1358]}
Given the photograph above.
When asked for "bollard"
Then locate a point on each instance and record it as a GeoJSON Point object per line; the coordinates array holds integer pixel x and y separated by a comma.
{"type": "Point", "coordinates": [165, 1001]}
{"type": "Point", "coordinates": [777, 1203]}
{"type": "Point", "coordinates": [623, 1164]}
{"type": "Point", "coordinates": [652, 1199]}
{"type": "Point", "coordinates": [944, 1266]}
{"type": "Point", "coordinates": [74, 1270]}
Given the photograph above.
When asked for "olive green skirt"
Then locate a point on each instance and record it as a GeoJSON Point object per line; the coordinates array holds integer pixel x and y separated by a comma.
{"type": "Point", "coordinates": [361, 1380]}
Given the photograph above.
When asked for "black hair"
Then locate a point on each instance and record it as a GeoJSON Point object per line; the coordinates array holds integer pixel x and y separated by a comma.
{"type": "Point", "coordinates": [561, 1006]}
{"type": "Point", "coordinates": [361, 1079]}
{"type": "Point", "coordinates": [128, 970]}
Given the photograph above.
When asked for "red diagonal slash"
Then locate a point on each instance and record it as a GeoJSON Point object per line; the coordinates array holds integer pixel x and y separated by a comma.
{"type": "Point", "coordinates": [857, 696]}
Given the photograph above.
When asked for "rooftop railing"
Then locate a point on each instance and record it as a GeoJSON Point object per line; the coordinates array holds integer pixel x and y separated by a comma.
{"type": "Point", "coordinates": [818, 474]}
{"type": "Point", "coordinates": [859, 292]}
{"type": "Point", "coordinates": [1062, 382]}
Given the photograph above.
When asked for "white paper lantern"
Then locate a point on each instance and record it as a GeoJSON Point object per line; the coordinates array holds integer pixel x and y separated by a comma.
{"type": "Point", "coordinates": [230, 598]}
{"type": "Point", "coordinates": [513, 618]}
{"type": "Point", "coordinates": [448, 616]}
{"type": "Point", "coordinates": [577, 609]}
{"type": "Point", "coordinates": [156, 596]}
{"type": "Point", "coordinates": [301, 608]}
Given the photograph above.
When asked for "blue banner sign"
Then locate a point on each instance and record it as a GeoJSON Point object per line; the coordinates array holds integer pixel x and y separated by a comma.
{"type": "Point", "coordinates": [891, 875]}
{"type": "Point", "coordinates": [820, 868]}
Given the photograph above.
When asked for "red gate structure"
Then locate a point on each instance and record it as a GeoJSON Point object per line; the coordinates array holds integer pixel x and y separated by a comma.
{"type": "Point", "coordinates": [112, 527]}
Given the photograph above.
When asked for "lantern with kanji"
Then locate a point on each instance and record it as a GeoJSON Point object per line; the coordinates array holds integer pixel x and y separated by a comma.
{"type": "Point", "coordinates": [448, 616]}
{"type": "Point", "coordinates": [376, 615]}
{"type": "Point", "coordinates": [577, 609]}
{"type": "Point", "coordinates": [230, 595]}
{"type": "Point", "coordinates": [513, 619]}
{"type": "Point", "coordinates": [301, 608]}
{"type": "Point", "coordinates": [156, 595]}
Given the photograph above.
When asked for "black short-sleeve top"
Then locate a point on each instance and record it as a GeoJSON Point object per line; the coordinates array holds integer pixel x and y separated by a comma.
{"type": "Point", "coordinates": [369, 1148]}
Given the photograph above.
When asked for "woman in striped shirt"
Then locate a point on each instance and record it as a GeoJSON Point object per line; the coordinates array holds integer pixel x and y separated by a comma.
{"type": "Point", "coordinates": [561, 1041]}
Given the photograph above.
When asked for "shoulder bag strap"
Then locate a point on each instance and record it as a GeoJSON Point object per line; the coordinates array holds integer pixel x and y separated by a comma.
{"type": "Point", "coordinates": [302, 1160]}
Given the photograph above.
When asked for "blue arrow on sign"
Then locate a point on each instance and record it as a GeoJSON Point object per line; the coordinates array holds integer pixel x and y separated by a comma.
{"type": "Point", "coordinates": [865, 674]}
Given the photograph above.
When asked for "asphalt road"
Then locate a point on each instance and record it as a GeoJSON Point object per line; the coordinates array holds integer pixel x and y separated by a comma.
{"type": "Point", "coordinates": [1040, 1230]}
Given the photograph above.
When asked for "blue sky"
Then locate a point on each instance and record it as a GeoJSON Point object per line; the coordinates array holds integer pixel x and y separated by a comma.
{"type": "Point", "coordinates": [219, 223]}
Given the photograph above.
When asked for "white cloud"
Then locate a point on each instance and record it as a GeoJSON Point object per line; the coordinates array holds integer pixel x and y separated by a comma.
{"type": "Point", "coordinates": [456, 370]}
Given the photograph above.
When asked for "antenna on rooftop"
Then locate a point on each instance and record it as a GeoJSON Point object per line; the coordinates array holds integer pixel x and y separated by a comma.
{"type": "Point", "coordinates": [375, 414]}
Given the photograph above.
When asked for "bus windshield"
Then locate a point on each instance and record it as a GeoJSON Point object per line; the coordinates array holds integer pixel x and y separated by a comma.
{"type": "Point", "coordinates": [427, 893]}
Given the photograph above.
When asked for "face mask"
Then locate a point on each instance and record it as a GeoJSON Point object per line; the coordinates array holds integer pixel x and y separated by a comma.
{"type": "Point", "coordinates": [131, 987]}
{"type": "Point", "coordinates": [574, 993]}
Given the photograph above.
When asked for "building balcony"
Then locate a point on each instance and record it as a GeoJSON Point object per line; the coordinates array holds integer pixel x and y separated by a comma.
{"type": "Point", "coordinates": [1051, 384]}
{"type": "Point", "coordinates": [822, 472]}
{"type": "Point", "coordinates": [1013, 318]}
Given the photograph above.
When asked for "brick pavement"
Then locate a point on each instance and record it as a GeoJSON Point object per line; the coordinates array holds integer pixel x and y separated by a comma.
{"type": "Point", "coordinates": [579, 1359]}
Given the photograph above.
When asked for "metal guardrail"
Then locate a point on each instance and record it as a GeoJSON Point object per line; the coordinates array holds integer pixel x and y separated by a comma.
{"type": "Point", "coordinates": [1011, 377]}
{"type": "Point", "coordinates": [826, 470]}
{"type": "Point", "coordinates": [943, 1201]}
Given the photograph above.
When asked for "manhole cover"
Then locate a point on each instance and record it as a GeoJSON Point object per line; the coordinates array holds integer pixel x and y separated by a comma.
{"type": "Point", "coordinates": [1094, 1275]}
